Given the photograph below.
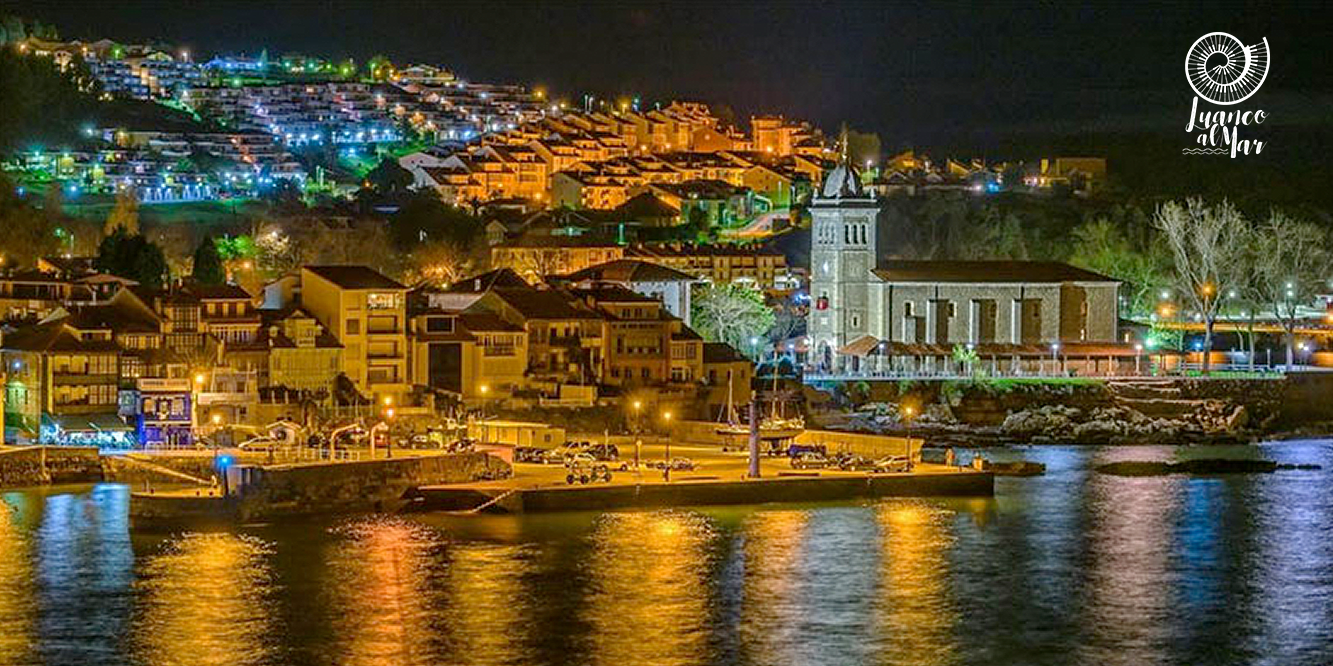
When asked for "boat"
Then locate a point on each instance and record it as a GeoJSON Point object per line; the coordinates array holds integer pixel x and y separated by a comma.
{"type": "Point", "coordinates": [772, 427]}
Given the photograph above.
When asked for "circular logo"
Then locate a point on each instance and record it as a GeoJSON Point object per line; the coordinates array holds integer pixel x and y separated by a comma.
{"type": "Point", "coordinates": [1224, 71]}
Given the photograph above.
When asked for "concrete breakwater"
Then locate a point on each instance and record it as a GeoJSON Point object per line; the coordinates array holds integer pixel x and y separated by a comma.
{"type": "Point", "coordinates": [259, 493]}
{"type": "Point", "coordinates": [502, 498]}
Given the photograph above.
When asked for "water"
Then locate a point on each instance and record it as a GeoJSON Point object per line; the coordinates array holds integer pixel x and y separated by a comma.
{"type": "Point", "coordinates": [1072, 567]}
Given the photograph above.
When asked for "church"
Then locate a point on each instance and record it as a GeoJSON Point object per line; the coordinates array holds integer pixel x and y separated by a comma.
{"type": "Point", "coordinates": [869, 313]}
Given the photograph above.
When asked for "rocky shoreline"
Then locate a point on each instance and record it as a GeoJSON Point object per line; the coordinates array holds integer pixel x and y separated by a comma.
{"type": "Point", "coordinates": [1182, 412]}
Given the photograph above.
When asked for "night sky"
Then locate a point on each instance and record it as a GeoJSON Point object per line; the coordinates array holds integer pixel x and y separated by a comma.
{"type": "Point", "coordinates": [955, 75]}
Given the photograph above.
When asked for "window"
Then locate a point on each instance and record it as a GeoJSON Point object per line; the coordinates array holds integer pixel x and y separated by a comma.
{"type": "Point", "coordinates": [353, 327]}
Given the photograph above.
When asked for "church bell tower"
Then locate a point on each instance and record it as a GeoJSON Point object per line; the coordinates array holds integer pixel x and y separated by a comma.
{"type": "Point", "coordinates": [842, 256]}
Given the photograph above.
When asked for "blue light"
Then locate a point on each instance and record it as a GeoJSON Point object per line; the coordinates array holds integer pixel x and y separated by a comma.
{"type": "Point", "coordinates": [224, 462]}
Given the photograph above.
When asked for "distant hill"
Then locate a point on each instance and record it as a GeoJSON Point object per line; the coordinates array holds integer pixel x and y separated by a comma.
{"type": "Point", "coordinates": [45, 107]}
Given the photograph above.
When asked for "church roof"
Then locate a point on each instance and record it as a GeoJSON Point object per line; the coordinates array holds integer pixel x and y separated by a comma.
{"type": "Point", "coordinates": [986, 271]}
{"type": "Point", "coordinates": [842, 182]}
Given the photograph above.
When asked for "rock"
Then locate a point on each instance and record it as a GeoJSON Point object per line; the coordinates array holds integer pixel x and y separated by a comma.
{"type": "Point", "coordinates": [1017, 468]}
{"type": "Point", "coordinates": [1199, 466]}
{"type": "Point", "coordinates": [1240, 417]}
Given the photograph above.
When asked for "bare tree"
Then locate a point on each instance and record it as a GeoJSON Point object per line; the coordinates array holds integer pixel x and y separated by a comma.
{"type": "Point", "coordinates": [1292, 263]}
{"type": "Point", "coordinates": [1208, 245]}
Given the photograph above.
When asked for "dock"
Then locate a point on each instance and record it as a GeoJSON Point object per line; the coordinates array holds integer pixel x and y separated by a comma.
{"type": "Point", "coordinates": [635, 491]}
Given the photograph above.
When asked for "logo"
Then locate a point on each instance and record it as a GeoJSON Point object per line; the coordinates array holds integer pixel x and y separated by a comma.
{"type": "Point", "coordinates": [1222, 70]}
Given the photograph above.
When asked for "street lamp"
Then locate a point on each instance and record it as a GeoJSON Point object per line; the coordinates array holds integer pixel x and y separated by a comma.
{"type": "Point", "coordinates": [1055, 358]}
{"type": "Point", "coordinates": [908, 413]}
{"type": "Point", "coordinates": [666, 471]}
{"type": "Point", "coordinates": [638, 431]}
{"type": "Point", "coordinates": [484, 429]}
{"type": "Point", "coordinates": [1138, 354]}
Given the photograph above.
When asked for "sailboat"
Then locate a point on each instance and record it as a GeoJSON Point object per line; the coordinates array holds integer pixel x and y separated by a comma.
{"type": "Point", "coordinates": [773, 426]}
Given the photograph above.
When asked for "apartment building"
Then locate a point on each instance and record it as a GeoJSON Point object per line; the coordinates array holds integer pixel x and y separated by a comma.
{"type": "Point", "coordinates": [366, 313]}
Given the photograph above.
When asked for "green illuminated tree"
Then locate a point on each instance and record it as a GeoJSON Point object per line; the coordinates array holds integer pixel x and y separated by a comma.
{"type": "Point", "coordinates": [730, 313]}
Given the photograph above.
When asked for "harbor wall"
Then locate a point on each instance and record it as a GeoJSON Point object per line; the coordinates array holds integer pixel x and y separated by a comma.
{"type": "Point", "coordinates": [255, 493]}
{"type": "Point", "coordinates": [704, 493]}
{"type": "Point", "coordinates": [42, 465]}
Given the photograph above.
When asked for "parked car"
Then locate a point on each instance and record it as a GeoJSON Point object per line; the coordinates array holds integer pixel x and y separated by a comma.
{"type": "Point", "coordinates": [528, 454]}
{"type": "Point", "coordinates": [588, 473]}
{"type": "Point", "coordinates": [260, 444]}
{"type": "Point", "coordinates": [579, 459]}
{"type": "Point", "coordinates": [855, 463]}
{"type": "Point", "coordinates": [552, 457]}
{"type": "Point", "coordinates": [420, 441]}
{"type": "Point", "coordinates": [682, 464]}
{"type": "Point", "coordinates": [461, 446]}
{"type": "Point", "coordinates": [893, 464]}
{"type": "Point", "coordinates": [797, 449]}
{"type": "Point", "coordinates": [604, 452]}
{"type": "Point", "coordinates": [809, 460]}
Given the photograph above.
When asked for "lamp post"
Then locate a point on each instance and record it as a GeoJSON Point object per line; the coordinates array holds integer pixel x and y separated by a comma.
{"type": "Point", "coordinates": [1055, 358]}
{"type": "Point", "coordinates": [1138, 354]}
{"type": "Point", "coordinates": [666, 470]}
{"type": "Point", "coordinates": [485, 430]}
{"type": "Point", "coordinates": [638, 435]}
{"type": "Point", "coordinates": [908, 413]}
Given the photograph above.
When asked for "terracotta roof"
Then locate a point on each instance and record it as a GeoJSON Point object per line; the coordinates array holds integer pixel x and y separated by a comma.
{"type": "Point", "coordinates": [629, 271]}
{"type": "Point", "coordinates": [355, 277]}
{"type": "Point", "coordinates": [486, 322]}
{"type": "Point", "coordinates": [541, 304]}
{"type": "Point", "coordinates": [218, 292]}
{"type": "Point", "coordinates": [721, 352]}
{"type": "Point", "coordinates": [500, 277]}
{"type": "Point", "coordinates": [985, 271]}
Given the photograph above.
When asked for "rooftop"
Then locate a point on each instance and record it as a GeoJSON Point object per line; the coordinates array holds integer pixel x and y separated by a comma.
{"type": "Point", "coordinates": [355, 277]}
{"type": "Point", "coordinates": [630, 271]}
{"type": "Point", "coordinates": [985, 271]}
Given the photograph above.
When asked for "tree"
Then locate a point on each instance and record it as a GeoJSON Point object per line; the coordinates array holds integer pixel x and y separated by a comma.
{"type": "Point", "coordinates": [730, 313]}
{"type": "Point", "coordinates": [208, 269]}
{"type": "Point", "coordinates": [1208, 246]}
{"type": "Point", "coordinates": [388, 176]}
{"type": "Point", "coordinates": [132, 257]}
{"type": "Point", "coordinates": [1105, 247]}
{"type": "Point", "coordinates": [1291, 267]}
{"type": "Point", "coordinates": [28, 233]}
{"type": "Point", "coordinates": [438, 263]}
{"type": "Point", "coordinates": [125, 214]}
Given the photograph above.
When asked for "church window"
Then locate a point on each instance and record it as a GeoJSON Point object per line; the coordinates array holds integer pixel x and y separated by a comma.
{"type": "Point", "coordinates": [907, 309]}
{"type": "Point", "coordinates": [856, 320]}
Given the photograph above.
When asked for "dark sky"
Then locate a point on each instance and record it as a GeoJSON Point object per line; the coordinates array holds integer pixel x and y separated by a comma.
{"type": "Point", "coordinates": [941, 73]}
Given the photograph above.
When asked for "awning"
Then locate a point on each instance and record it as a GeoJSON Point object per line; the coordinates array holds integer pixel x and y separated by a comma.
{"type": "Point", "coordinates": [88, 422]}
{"type": "Point", "coordinates": [861, 346]}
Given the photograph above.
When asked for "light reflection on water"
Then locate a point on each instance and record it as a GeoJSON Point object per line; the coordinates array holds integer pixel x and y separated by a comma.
{"type": "Point", "coordinates": [1072, 567]}
{"type": "Point", "coordinates": [205, 599]}
{"type": "Point", "coordinates": [647, 601]}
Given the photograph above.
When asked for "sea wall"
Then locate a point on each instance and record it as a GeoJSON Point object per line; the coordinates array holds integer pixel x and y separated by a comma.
{"type": "Point", "coordinates": [41, 465]}
{"type": "Point", "coordinates": [256, 493]}
{"type": "Point", "coordinates": [597, 498]}
{"type": "Point", "coordinates": [372, 485]}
